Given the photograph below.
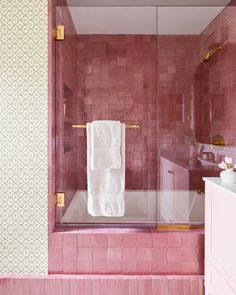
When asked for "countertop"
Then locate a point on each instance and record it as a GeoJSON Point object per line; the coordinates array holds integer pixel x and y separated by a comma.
{"type": "Point", "coordinates": [185, 164]}
{"type": "Point", "coordinates": [229, 188]}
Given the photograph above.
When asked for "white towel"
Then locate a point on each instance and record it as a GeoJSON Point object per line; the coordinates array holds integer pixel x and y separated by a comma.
{"type": "Point", "coordinates": [106, 187]}
{"type": "Point", "coordinates": [106, 143]}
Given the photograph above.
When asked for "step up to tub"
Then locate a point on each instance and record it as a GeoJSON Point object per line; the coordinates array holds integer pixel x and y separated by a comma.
{"type": "Point", "coordinates": [102, 285]}
{"type": "Point", "coordinates": [116, 251]}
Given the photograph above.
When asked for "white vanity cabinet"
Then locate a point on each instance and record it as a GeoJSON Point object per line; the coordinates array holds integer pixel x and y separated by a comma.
{"type": "Point", "coordinates": [179, 201]}
{"type": "Point", "coordinates": [220, 237]}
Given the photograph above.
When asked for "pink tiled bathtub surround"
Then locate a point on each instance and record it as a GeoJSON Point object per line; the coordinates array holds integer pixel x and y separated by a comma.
{"type": "Point", "coordinates": [105, 285]}
{"type": "Point", "coordinates": [118, 251]}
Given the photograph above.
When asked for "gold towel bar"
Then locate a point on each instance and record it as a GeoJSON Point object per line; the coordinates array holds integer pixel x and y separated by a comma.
{"type": "Point", "coordinates": [126, 126]}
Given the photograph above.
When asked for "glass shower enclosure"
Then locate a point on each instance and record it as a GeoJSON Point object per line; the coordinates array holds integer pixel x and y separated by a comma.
{"type": "Point", "coordinates": [152, 68]}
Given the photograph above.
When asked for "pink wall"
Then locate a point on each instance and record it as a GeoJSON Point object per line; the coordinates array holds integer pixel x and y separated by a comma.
{"type": "Point", "coordinates": [116, 80]}
{"type": "Point", "coordinates": [216, 105]}
{"type": "Point", "coordinates": [177, 59]}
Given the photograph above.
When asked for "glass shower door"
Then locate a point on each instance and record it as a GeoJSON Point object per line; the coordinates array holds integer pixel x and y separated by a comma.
{"type": "Point", "coordinates": [107, 71]}
{"type": "Point", "coordinates": [65, 106]}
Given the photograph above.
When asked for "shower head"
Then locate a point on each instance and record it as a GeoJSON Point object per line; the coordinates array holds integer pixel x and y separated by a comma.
{"type": "Point", "coordinates": [211, 52]}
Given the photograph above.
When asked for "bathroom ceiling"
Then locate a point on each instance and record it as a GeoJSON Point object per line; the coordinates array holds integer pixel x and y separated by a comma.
{"type": "Point", "coordinates": [147, 2]}
{"type": "Point", "coordinates": [142, 19]}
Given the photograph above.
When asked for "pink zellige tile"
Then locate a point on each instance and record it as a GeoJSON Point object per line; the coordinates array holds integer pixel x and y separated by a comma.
{"type": "Point", "coordinates": [133, 286]}
{"type": "Point", "coordinates": [189, 254]}
{"type": "Point", "coordinates": [190, 240]}
{"type": "Point", "coordinates": [144, 240]}
{"type": "Point", "coordinates": [144, 254]}
{"type": "Point", "coordinates": [99, 254]}
{"type": "Point", "coordinates": [144, 267]}
{"type": "Point", "coordinates": [190, 267]}
{"type": "Point", "coordinates": [37, 286]}
{"type": "Point", "coordinates": [55, 240]}
{"type": "Point", "coordinates": [159, 255]}
{"type": "Point", "coordinates": [76, 287]}
{"type": "Point", "coordinates": [129, 267]}
{"type": "Point", "coordinates": [114, 267]}
{"type": "Point", "coordinates": [159, 239]}
{"type": "Point", "coordinates": [69, 253]}
{"type": "Point", "coordinates": [100, 240]}
{"type": "Point", "coordinates": [96, 287]}
{"type": "Point", "coordinates": [99, 267]}
{"type": "Point", "coordinates": [129, 254]}
{"type": "Point", "coordinates": [156, 284]}
{"type": "Point", "coordinates": [159, 268]}
{"type": "Point", "coordinates": [55, 254]}
{"type": "Point", "coordinates": [85, 267]}
{"type": "Point", "coordinates": [118, 287]}
{"type": "Point", "coordinates": [55, 267]}
{"type": "Point", "coordinates": [174, 267]}
{"type": "Point", "coordinates": [114, 254]}
{"type": "Point", "coordinates": [84, 240]}
{"type": "Point", "coordinates": [70, 240]}
{"type": "Point", "coordinates": [69, 266]}
{"type": "Point", "coordinates": [129, 240]}
{"type": "Point", "coordinates": [174, 239]}
{"type": "Point", "coordinates": [175, 287]}
{"type": "Point", "coordinates": [25, 285]}
{"type": "Point", "coordinates": [187, 286]}
{"type": "Point", "coordinates": [84, 254]}
{"type": "Point", "coordinates": [114, 240]}
{"type": "Point", "coordinates": [174, 255]}
{"type": "Point", "coordinates": [88, 287]}
{"type": "Point", "coordinates": [17, 288]}
{"type": "Point", "coordinates": [107, 286]}
{"type": "Point", "coordinates": [53, 287]}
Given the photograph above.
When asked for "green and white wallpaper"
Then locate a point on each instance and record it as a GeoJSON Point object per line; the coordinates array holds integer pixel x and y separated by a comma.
{"type": "Point", "coordinates": [23, 137]}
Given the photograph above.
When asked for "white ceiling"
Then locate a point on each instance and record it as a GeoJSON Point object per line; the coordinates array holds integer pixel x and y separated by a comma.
{"type": "Point", "coordinates": [185, 20]}
{"type": "Point", "coordinates": [147, 2]}
{"type": "Point", "coordinates": [142, 19]}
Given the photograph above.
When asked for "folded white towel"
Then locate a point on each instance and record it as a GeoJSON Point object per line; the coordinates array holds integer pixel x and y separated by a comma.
{"type": "Point", "coordinates": [106, 143]}
{"type": "Point", "coordinates": [106, 187]}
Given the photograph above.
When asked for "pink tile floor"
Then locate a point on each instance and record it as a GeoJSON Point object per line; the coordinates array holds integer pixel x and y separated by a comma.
{"type": "Point", "coordinates": [102, 285]}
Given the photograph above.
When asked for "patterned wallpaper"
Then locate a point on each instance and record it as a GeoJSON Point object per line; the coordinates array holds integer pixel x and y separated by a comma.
{"type": "Point", "coordinates": [23, 137]}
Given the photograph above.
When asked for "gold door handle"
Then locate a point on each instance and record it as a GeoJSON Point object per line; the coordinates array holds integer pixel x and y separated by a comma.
{"type": "Point", "coordinates": [171, 171]}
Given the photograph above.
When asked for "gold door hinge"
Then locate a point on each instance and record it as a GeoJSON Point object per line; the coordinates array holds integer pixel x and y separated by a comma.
{"type": "Point", "coordinates": [59, 32]}
{"type": "Point", "coordinates": [60, 200]}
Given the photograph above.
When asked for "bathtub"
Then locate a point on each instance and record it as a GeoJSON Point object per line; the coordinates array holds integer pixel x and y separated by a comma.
{"type": "Point", "coordinates": [145, 208]}
{"type": "Point", "coordinates": [140, 207]}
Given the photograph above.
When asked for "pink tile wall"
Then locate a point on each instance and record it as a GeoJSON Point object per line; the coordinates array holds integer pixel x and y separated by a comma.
{"type": "Point", "coordinates": [215, 107]}
{"type": "Point", "coordinates": [116, 79]}
{"type": "Point", "coordinates": [126, 252]}
{"type": "Point", "coordinates": [105, 285]}
{"type": "Point", "coordinates": [177, 59]}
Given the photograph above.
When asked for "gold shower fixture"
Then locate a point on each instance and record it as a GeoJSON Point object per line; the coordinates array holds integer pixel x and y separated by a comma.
{"type": "Point", "coordinates": [211, 52]}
